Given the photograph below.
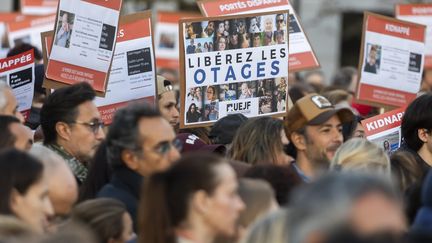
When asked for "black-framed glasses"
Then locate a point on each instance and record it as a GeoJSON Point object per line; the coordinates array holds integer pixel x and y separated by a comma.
{"type": "Point", "coordinates": [164, 147]}
{"type": "Point", "coordinates": [94, 126]}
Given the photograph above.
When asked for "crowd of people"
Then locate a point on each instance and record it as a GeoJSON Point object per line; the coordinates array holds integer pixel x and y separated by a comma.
{"type": "Point", "coordinates": [311, 177]}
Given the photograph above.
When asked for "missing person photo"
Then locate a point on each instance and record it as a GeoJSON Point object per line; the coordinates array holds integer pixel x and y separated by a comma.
{"type": "Point", "coordinates": [195, 96]}
{"type": "Point", "coordinates": [167, 40]}
{"type": "Point", "coordinates": [244, 40]}
{"type": "Point", "coordinates": [280, 22]}
{"type": "Point", "coordinates": [265, 105]}
{"type": "Point", "coordinates": [240, 26]}
{"type": "Point", "coordinates": [211, 94]}
{"type": "Point", "coordinates": [256, 40]}
{"type": "Point", "coordinates": [254, 25]}
{"type": "Point", "coordinates": [193, 30]}
{"type": "Point", "coordinates": [64, 29]}
{"type": "Point", "coordinates": [221, 29]}
{"type": "Point", "coordinates": [267, 23]}
{"type": "Point", "coordinates": [228, 92]}
{"type": "Point", "coordinates": [191, 47]}
{"type": "Point", "coordinates": [281, 86]}
{"type": "Point", "coordinates": [373, 58]}
{"type": "Point", "coordinates": [280, 103]}
{"type": "Point", "coordinates": [211, 112]}
{"type": "Point", "coordinates": [233, 40]}
{"type": "Point", "coordinates": [247, 90]}
{"type": "Point", "coordinates": [221, 44]}
{"type": "Point", "coordinates": [264, 87]}
{"type": "Point", "coordinates": [268, 39]}
{"type": "Point", "coordinates": [208, 28]}
{"type": "Point", "coordinates": [279, 37]}
{"type": "Point", "coordinates": [193, 114]}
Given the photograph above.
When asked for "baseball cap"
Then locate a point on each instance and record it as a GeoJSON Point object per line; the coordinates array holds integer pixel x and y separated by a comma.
{"type": "Point", "coordinates": [163, 85]}
{"type": "Point", "coordinates": [224, 129]}
{"type": "Point", "coordinates": [314, 109]}
{"type": "Point", "coordinates": [191, 143]}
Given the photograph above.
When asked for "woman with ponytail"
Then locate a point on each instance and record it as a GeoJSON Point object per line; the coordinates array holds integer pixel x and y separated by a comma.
{"type": "Point", "coordinates": [192, 202]}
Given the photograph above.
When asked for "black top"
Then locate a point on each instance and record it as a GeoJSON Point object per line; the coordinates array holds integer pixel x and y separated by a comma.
{"type": "Point", "coordinates": [370, 68]}
{"type": "Point", "coordinates": [124, 186]}
{"type": "Point", "coordinates": [413, 194]}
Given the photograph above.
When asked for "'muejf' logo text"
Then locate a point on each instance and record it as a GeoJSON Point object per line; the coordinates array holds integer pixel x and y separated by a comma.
{"type": "Point", "coordinates": [238, 107]}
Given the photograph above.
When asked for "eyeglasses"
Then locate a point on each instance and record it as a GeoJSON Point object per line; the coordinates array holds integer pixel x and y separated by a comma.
{"type": "Point", "coordinates": [164, 147]}
{"type": "Point", "coordinates": [280, 20]}
{"type": "Point", "coordinates": [94, 125]}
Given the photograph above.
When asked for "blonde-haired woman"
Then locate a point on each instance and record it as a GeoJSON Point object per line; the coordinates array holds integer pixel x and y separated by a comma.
{"type": "Point", "coordinates": [359, 154]}
{"type": "Point", "coordinates": [272, 228]}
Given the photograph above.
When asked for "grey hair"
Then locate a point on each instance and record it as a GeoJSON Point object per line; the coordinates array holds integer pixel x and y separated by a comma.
{"type": "Point", "coordinates": [324, 206]}
{"type": "Point", "coordinates": [272, 228]}
{"type": "Point", "coordinates": [359, 154]}
{"type": "Point", "coordinates": [3, 100]}
{"type": "Point", "coordinates": [49, 158]}
{"type": "Point", "coordinates": [124, 131]}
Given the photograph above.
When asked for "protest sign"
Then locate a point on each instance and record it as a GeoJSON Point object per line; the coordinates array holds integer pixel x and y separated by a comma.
{"type": "Point", "coordinates": [225, 74]}
{"type": "Point", "coordinates": [384, 130]}
{"type": "Point", "coordinates": [133, 75]}
{"type": "Point", "coordinates": [4, 19]}
{"type": "Point", "coordinates": [28, 29]}
{"type": "Point", "coordinates": [38, 7]}
{"type": "Point", "coordinates": [391, 61]}
{"type": "Point", "coordinates": [18, 72]}
{"type": "Point", "coordinates": [166, 41]}
{"type": "Point", "coordinates": [301, 54]}
{"type": "Point", "coordinates": [420, 14]}
{"type": "Point", "coordinates": [84, 41]}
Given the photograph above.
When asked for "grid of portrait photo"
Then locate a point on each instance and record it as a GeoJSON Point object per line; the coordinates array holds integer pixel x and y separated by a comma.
{"type": "Point", "coordinates": [202, 102]}
{"type": "Point", "coordinates": [221, 35]}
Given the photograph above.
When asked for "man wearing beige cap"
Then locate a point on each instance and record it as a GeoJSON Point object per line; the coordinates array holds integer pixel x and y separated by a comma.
{"type": "Point", "coordinates": [167, 101]}
{"type": "Point", "coordinates": [314, 127]}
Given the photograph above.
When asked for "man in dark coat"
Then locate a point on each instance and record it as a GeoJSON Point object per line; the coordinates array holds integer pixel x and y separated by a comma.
{"type": "Point", "coordinates": [140, 142]}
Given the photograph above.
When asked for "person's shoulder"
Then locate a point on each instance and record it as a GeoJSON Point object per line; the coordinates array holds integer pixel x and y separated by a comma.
{"type": "Point", "coordinates": [112, 191]}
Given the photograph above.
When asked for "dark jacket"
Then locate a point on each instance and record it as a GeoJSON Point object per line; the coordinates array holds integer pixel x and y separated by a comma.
{"type": "Point", "coordinates": [423, 220]}
{"type": "Point", "coordinates": [413, 194]}
{"type": "Point", "coordinates": [124, 186]}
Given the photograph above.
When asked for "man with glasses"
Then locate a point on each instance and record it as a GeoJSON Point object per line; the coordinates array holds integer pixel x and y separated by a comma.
{"type": "Point", "coordinates": [140, 142]}
{"type": "Point", "coordinates": [72, 126]}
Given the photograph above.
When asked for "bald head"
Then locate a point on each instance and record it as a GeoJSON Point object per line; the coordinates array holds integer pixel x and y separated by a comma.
{"type": "Point", "coordinates": [62, 186]}
{"type": "Point", "coordinates": [8, 102]}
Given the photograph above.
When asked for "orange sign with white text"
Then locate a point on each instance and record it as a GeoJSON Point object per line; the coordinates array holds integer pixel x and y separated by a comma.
{"type": "Point", "coordinates": [384, 129]}
{"type": "Point", "coordinates": [421, 14]}
{"type": "Point", "coordinates": [38, 7]}
{"type": "Point", "coordinates": [18, 72]}
{"type": "Point", "coordinates": [301, 54]}
{"type": "Point", "coordinates": [83, 46]}
{"type": "Point", "coordinates": [27, 29]}
{"type": "Point", "coordinates": [166, 41]}
{"type": "Point", "coordinates": [132, 76]}
{"type": "Point", "coordinates": [391, 61]}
